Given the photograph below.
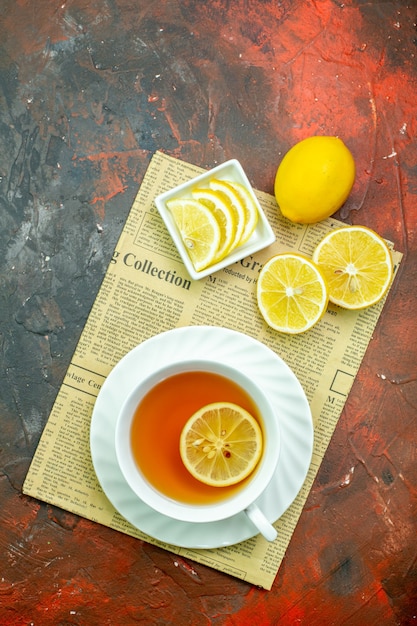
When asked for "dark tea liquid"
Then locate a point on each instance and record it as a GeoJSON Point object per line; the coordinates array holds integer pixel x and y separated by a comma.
{"type": "Point", "coordinates": [157, 425]}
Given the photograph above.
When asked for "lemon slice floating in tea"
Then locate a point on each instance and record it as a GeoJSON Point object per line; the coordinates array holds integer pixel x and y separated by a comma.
{"type": "Point", "coordinates": [221, 444]}
{"type": "Point", "coordinates": [199, 230]}
{"type": "Point", "coordinates": [291, 293]}
{"type": "Point", "coordinates": [357, 266]}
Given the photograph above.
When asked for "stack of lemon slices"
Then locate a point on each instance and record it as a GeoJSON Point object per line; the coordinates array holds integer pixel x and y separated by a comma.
{"type": "Point", "coordinates": [214, 221]}
{"type": "Point", "coordinates": [351, 267]}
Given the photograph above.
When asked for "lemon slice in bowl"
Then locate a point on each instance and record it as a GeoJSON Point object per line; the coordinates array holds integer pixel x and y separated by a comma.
{"type": "Point", "coordinates": [221, 444]}
{"type": "Point", "coordinates": [199, 231]}
{"type": "Point", "coordinates": [357, 265]}
{"type": "Point", "coordinates": [250, 211]}
{"type": "Point", "coordinates": [291, 293]}
{"type": "Point", "coordinates": [236, 203]}
{"type": "Point", "coordinates": [224, 215]}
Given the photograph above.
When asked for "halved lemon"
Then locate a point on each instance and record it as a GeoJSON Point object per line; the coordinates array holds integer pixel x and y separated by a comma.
{"type": "Point", "coordinates": [198, 229]}
{"type": "Point", "coordinates": [224, 215]}
{"type": "Point", "coordinates": [221, 444]}
{"type": "Point", "coordinates": [292, 293]}
{"type": "Point", "coordinates": [357, 265]}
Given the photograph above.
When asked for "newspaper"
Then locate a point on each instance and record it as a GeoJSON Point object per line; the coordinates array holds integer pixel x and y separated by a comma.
{"type": "Point", "coordinates": [146, 290]}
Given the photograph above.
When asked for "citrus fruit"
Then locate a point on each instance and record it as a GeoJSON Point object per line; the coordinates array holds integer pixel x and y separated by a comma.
{"type": "Point", "coordinates": [250, 211]}
{"type": "Point", "coordinates": [224, 215]}
{"type": "Point", "coordinates": [291, 292]}
{"type": "Point", "coordinates": [236, 203]}
{"type": "Point", "coordinates": [314, 179]}
{"type": "Point", "coordinates": [357, 266]}
{"type": "Point", "coordinates": [221, 444]}
{"type": "Point", "coordinates": [198, 229]}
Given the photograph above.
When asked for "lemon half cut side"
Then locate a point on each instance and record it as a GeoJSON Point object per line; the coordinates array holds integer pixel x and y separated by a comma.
{"type": "Point", "coordinates": [357, 265]}
{"type": "Point", "coordinates": [221, 444]}
{"type": "Point", "coordinates": [291, 293]}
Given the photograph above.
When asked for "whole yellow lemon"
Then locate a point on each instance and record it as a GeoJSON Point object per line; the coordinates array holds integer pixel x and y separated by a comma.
{"type": "Point", "coordinates": [314, 179]}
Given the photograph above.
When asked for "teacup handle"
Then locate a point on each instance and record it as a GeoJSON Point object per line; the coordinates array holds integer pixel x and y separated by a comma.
{"type": "Point", "coordinates": [258, 518]}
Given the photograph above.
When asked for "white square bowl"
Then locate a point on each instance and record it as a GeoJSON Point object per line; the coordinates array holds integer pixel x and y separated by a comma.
{"type": "Point", "coordinates": [262, 236]}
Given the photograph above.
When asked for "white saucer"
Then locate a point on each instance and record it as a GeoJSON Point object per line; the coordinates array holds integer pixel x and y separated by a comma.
{"type": "Point", "coordinates": [256, 361]}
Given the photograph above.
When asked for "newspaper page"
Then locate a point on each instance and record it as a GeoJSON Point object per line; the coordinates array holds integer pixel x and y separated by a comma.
{"type": "Point", "coordinates": [146, 290]}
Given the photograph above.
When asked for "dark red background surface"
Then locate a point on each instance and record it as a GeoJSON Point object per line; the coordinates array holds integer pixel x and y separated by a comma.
{"type": "Point", "coordinates": [88, 92]}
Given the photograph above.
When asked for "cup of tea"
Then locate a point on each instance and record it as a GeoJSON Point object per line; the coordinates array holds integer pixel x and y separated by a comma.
{"type": "Point", "coordinates": [147, 443]}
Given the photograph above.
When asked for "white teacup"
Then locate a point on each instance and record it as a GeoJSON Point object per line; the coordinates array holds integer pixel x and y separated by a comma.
{"type": "Point", "coordinates": [243, 499]}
